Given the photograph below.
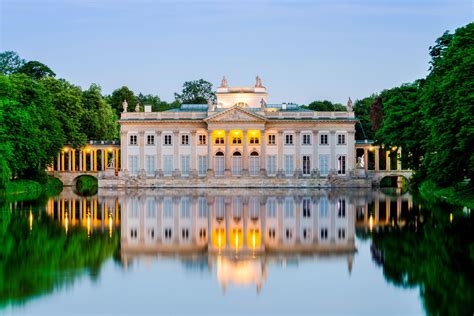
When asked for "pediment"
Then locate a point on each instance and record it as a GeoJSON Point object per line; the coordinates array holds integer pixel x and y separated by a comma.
{"type": "Point", "coordinates": [235, 114]}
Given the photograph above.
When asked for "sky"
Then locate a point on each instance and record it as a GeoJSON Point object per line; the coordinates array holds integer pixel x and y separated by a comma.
{"type": "Point", "coordinates": [302, 50]}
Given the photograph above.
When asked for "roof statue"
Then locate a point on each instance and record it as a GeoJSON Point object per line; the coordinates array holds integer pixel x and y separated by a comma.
{"type": "Point", "coordinates": [263, 105]}
{"type": "Point", "coordinates": [349, 105]}
{"type": "Point", "coordinates": [210, 105]}
{"type": "Point", "coordinates": [258, 82]}
{"type": "Point", "coordinates": [125, 106]}
{"type": "Point", "coordinates": [137, 107]}
{"type": "Point", "coordinates": [224, 82]}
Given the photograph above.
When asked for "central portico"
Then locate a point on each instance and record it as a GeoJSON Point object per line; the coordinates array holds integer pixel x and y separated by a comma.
{"type": "Point", "coordinates": [239, 140]}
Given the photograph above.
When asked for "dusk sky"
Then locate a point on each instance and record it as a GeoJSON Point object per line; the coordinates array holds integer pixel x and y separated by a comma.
{"type": "Point", "coordinates": [302, 50]}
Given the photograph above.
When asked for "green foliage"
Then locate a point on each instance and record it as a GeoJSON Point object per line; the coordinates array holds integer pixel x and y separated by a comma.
{"type": "Point", "coordinates": [38, 261]}
{"type": "Point", "coordinates": [326, 106]}
{"type": "Point", "coordinates": [35, 70]}
{"type": "Point", "coordinates": [29, 190]}
{"type": "Point", "coordinates": [118, 96]}
{"type": "Point", "coordinates": [10, 62]}
{"type": "Point", "coordinates": [98, 120]}
{"type": "Point", "coordinates": [196, 92]}
{"type": "Point", "coordinates": [86, 185]}
{"type": "Point", "coordinates": [156, 104]}
{"type": "Point", "coordinates": [461, 194]}
{"type": "Point", "coordinates": [362, 112]}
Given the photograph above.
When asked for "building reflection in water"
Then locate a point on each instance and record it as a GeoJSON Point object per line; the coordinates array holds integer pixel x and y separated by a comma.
{"type": "Point", "coordinates": [238, 232]}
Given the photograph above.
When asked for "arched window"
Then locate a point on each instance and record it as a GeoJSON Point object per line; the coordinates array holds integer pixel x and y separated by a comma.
{"type": "Point", "coordinates": [219, 164]}
{"type": "Point", "coordinates": [254, 164]}
{"type": "Point", "coordinates": [237, 164]}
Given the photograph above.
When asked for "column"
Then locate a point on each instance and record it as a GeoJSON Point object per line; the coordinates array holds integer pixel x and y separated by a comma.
{"type": "Point", "coordinates": [91, 167]}
{"type": "Point", "coordinates": [227, 160]}
{"type": "Point", "coordinates": [103, 152]}
{"type": "Point", "coordinates": [141, 148]}
{"type": "Point", "coordinates": [193, 153]}
{"type": "Point", "coordinates": [59, 162]}
{"type": "Point", "coordinates": [315, 151]}
{"type": "Point", "coordinates": [84, 160]}
{"type": "Point", "coordinates": [95, 159]}
{"type": "Point", "coordinates": [263, 167]}
{"type": "Point", "coordinates": [280, 152]}
{"type": "Point", "coordinates": [176, 159]}
{"type": "Point", "coordinates": [366, 159]}
{"type": "Point", "coordinates": [158, 150]}
{"type": "Point", "coordinates": [105, 159]}
{"type": "Point", "coordinates": [387, 160]}
{"type": "Point", "coordinates": [69, 160]}
{"type": "Point", "coordinates": [351, 161]}
{"type": "Point", "coordinates": [62, 161]}
{"type": "Point", "coordinates": [332, 158]}
{"type": "Point", "coordinates": [80, 160]}
{"type": "Point", "coordinates": [399, 159]}
{"type": "Point", "coordinates": [298, 151]}
{"type": "Point", "coordinates": [245, 158]}
{"type": "Point", "coordinates": [377, 163]}
{"type": "Point", "coordinates": [124, 146]}
{"type": "Point", "coordinates": [209, 150]}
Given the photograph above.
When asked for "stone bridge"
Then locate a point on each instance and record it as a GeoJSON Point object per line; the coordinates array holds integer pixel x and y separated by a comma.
{"type": "Point", "coordinates": [377, 176]}
{"type": "Point", "coordinates": [69, 178]}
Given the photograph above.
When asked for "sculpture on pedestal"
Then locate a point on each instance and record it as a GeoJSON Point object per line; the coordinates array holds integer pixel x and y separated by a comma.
{"type": "Point", "coordinates": [124, 106]}
{"type": "Point", "coordinates": [137, 107]}
{"type": "Point", "coordinates": [258, 82]}
{"type": "Point", "coordinates": [349, 105]}
{"type": "Point", "coordinates": [224, 82]}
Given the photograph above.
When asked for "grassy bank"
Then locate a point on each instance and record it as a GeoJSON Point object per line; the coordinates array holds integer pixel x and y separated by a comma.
{"type": "Point", "coordinates": [462, 194]}
{"type": "Point", "coordinates": [86, 185]}
{"type": "Point", "coordinates": [27, 190]}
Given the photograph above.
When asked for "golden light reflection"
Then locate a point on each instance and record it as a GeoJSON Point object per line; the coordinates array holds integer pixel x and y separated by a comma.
{"type": "Point", "coordinates": [218, 238]}
{"type": "Point", "coordinates": [450, 217]}
{"type": "Point", "coordinates": [31, 220]}
{"type": "Point", "coordinates": [88, 225]}
{"type": "Point", "coordinates": [66, 222]}
{"type": "Point", "coordinates": [88, 149]}
{"type": "Point", "coordinates": [254, 238]}
{"type": "Point", "coordinates": [394, 148]}
{"type": "Point", "coordinates": [371, 223]}
{"type": "Point", "coordinates": [110, 225]}
{"type": "Point", "coordinates": [237, 237]}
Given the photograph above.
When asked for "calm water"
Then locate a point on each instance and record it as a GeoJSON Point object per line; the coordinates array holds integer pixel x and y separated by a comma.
{"type": "Point", "coordinates": [236, 252]}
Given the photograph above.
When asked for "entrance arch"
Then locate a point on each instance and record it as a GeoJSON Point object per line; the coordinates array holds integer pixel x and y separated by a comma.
{"type": "Point", "coordinates": [237, 164]}
{"type": "Point", "coordinates": [254, 164]}
{"type": "Point", "coordinates": [219, 161]}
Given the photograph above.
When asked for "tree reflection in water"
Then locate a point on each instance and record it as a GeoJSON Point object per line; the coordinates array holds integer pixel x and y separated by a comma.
{"type": "Point", "coordinates": [435, 251]}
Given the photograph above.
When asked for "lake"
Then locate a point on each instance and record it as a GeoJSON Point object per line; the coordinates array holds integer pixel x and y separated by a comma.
{"type": "Point", "coordinates": [242, 251]}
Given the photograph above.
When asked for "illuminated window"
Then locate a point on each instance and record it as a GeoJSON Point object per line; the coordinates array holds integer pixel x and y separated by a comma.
{"type": "Point", "coordinates": [236, 140]}
{"type": "Point", "coordinates": [254, 140]}
{"type": "Point", "coordinates": [219, 140]}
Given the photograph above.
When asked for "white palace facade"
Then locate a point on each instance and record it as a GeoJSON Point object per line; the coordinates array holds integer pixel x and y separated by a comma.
{"type": "Point", "coordinates": [239, 140]}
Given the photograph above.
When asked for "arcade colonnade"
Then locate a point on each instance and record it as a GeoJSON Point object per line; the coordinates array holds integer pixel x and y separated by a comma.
{"type": "Point", "coordinates": [365, 150]}
{"type": "Point", "coordinates": [95, 156]}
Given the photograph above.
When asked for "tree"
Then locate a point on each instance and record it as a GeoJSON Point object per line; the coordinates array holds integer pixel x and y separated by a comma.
{"type": "Point", "coordinates": [36, 70]}
{"type": "Point", "coordinates": [10, 62]}
{"type": "Point", "coordinates": [156, 103]}
{"type": "Point", "coordinates": [99, 120]}
{"type": "Point", "coordinates": [326, 106]}
{"type": "Point", "coordinates": [376, 114]}
{"type": "Point", "coordinates": [196, 92]}
{"type": "Point", "coordinates": [118, 96]}
{"type": "Point", "coordinates": [362, 112]}
{"type": "Point", "coordinates": [447, 102]}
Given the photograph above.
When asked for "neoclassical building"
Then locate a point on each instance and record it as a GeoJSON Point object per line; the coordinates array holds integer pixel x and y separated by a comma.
{"type": "Point", "coordinates": [240, 136]}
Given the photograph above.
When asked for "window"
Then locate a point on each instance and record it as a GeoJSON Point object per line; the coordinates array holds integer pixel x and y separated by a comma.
{"type": "Point", "coordinates": [133, 164]}
{"type": "Point", "coordinates": [254, 164]}
{"type": "Point", "coordinates": [289, 165]}
{"type": "Point", "coordinates": [219, 140]}
{"type": "Point", "coordinates": [150, 139]}
{"type": "Point", "coordinates": [289, 208]}
{"type": "Point", "coordinates": [150, 165]}
{"type": "Point", "coordinates": [323, 208]}
{"type": "Point", "coordinates": [185, 234]}
{"type": "Point", "coordinates": [306, 208]}
{"type": "Point", "coordinates": [133, 233]}
{"type": "Point", "coordinates": [202, 140]}
{"type": "Point", "coordinates": [202, 207]}
{"type": "Point", "coordinates": [341, 233]}
{"type": "Point", "coordinates": [133, 139]}
{"type": "Point", "coordinates": [167, 207]}
{"type": "Point", "coordinates": [341, 164]}
{"type": "Point", "coordinates": [237, 164]}
{"type": "Point", "coordinates": [306, 233]}
{"type": "Point", "coordinates": [341, 208]}
{"type": "Point", "coordinates": [202, 233]}
{"type": "Point", "coordinates": [185, 165]}
{"type": "Point", "coordinates": [237, 140]}
{"type": "Point", "coordinates": [151, 233]}
{"type": "Point", "coordinates": [254, 140]}
{"type": "Point", "coordinates": [272, 139]}
{"type": "Point", "coordinates": [185, 208]}
{"type": "Point", "coordinates": [220, 208]}
{"type": "Point", "coordinates": [323, 234]}
{"type": "Point", "coordinates": [271, 165]}
{"type": "Point", "coordinates": [150, 209]}
{"type": "Point", "coordinates": [219, 164]}
{"type": "Point", "coordinates": [168, 233]}
{"type": "Point", "coordinates": [254, 207]}
{"type": "Point", "coordinates": [271, 208]}
{"type": "Point", "coordinates": [288, 139]}
{"type": "Point", "coordinates": [167, 165]}
{"type": "Point", "coordinates": [341, 139]}
{"type": "Point", "coordinates": [324, 165]}
{"type": "Point", "coordinates": [184, 139]}
{"type": "Point", "coordinates": [323, 139]}
{"type": "Point", "coordinates": [306, 139]}
{"type": "Point", "coordinates": [167, 140]}
{"type": "Point", "coordinates": [289, 233]}
{"type": "Point", "coordinates": [236, 208]}
{"type": "Point", "coordinates": [202, 165]}
{"type": "Point", "coordinates": [306, 165]}
{"type": "Point", "coordinates": [134, 210]}
{"type": "Point", "coordinates": [271, 233]}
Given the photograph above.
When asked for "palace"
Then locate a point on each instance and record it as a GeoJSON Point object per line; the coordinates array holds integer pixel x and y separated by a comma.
{"type": "Point", "coordinates": [241, 138]}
